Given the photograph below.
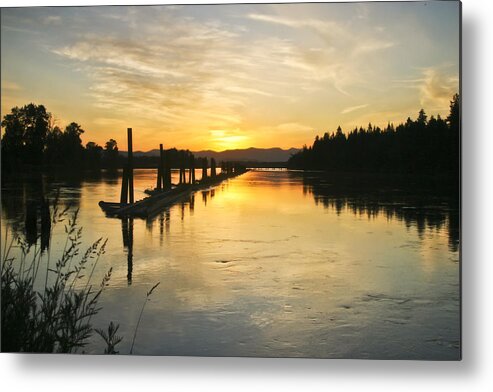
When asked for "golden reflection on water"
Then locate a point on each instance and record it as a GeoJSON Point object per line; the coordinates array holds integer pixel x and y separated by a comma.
{"type": "Point", "coordinates": [260, 265]}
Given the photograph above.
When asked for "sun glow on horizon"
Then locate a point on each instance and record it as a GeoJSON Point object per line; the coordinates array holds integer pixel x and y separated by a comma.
{"type": "Point", "coordinates": [228, 140]}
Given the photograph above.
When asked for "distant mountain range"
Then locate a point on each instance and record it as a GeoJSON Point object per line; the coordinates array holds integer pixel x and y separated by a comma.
{"type": "Point", "coordinates": [245, 155]}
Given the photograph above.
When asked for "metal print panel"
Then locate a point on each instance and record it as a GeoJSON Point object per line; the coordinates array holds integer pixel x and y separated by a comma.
{"type": "Point", "coordinates": [263, 180]}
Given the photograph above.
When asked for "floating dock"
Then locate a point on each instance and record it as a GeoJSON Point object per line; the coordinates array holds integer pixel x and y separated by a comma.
{"type": "Point", "coordinates": [166, 194]}
{"type": "Point", "coordinates": [160, 199]}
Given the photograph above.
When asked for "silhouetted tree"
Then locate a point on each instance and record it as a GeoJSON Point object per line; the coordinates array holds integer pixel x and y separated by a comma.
{"type": "Point", "coordinates": [422, 117]}
{"type": "Point", "coordinates": [414, 147]}
{"type": "Point", "coordinates": [25, 135]}
{"type": "Point", "coordinates": [72, 144]}
{"type": "Point", "coordinates": [53, 151]}
{"type": "Point", "coordinates": [453, 121]}
{"type": "Point", "coordinates": [93, 155]}
{"type": "Point", "coordinates": [111, 154]}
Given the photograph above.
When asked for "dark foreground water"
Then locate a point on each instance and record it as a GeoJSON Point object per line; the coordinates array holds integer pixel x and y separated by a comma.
{"type": "Point", "coordinates": [272, 263]}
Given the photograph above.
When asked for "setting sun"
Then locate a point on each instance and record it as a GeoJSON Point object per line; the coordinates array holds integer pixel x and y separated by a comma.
{"type": "Point", "coordinates": [228, 140]}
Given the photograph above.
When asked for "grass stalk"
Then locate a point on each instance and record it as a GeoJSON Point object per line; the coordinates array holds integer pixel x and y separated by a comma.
{"type": "Point", "coordinates": [147, 298]}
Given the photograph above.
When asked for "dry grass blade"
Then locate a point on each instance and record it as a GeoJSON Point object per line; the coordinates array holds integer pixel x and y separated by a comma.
{"type": "Point", "coordinates": [152, 289]}
{"type": "Point", "coordinates": [148, 294]}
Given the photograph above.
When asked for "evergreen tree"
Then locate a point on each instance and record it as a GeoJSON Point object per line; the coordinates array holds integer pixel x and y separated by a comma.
{"type": "Point", "coordinates": [415, 147]}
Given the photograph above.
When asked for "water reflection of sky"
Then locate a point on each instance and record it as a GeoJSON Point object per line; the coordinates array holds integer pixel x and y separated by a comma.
{"type": "Point", "coordinates": [270, 264]}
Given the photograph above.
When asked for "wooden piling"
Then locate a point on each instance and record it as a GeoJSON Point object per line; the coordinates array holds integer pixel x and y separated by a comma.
{"type": "Point", "coordinates": [162, 165]}
{"type": "Point", "coordinates": [159, 177]}
{"type": "Point", "coordinates": [124, 190]}
{"type": "Point", "coordinates": [213, 168]}
{"type": "Point", "coordinates": [161, 181]}
{"type": "Point", "coordinates": [193, 169]}
{"type": "Point", "coordinates": [190, 168]}
{"type": "Point", "coordinates": [180, 168]}
{"type": "Point", "coordinates": [204, 168]}
{"type": "Point", "coordinates": [167, 161]}
{"type": "Point", "coordinates": [127, 190]}
{"type": "Point", "coordinates": [130, 166]}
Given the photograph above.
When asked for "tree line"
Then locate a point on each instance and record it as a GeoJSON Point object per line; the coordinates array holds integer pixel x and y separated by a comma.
{"type": "Point", "coordinates": [423, 146]}
{"type": "Point", "coordinates": [32, 140]}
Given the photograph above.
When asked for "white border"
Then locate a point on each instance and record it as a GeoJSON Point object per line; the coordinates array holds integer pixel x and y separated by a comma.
{"type": "Point", "coordinates": [78, 373]}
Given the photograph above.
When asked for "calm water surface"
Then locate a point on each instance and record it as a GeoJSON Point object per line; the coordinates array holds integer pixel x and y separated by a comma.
{"type": "Point", "coordinates": [273, 263]}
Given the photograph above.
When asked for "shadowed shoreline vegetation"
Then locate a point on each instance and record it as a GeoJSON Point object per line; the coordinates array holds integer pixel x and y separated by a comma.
{"type": "Point", "coordinates": [47, 306]}
{"type": "Point", "coordinates": [420, 147]}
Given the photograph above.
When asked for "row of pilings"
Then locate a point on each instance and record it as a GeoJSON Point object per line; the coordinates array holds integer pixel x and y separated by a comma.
{"type": "Point", "coordinates": [186, 163]}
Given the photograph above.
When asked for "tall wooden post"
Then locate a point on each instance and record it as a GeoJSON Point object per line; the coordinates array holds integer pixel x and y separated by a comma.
{"type": "Point", "coordinates": [159, 177]}
{"type": "Point", "coordinates": [180, 168]}
{"type": "Point", "coordinates": [193, 170]}
{"type": "Point", "coordinates": [204, 168]}
{"type": "Point", "coordinates": [190, 168]}
{"type": "Point", "coordinates": [167, 166]}
{"type": "Point", "coordinates": [162, 164]}
{"type": "Point", "coordinates": [165, 170]}
{"type": "Point", "coordinates": [213, 167]}
{"type": "Point", "coordinates": [130, 167]}
{"type": "Point", "coordinates": [124, 190]}
{"type": "Point", "coordinates": [159, 181]}
{"type": "Point", "coordinates": [161, 170]}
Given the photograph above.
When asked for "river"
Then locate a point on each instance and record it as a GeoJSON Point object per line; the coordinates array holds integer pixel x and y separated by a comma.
{"type": "Point", "coordinates": [273, 263]}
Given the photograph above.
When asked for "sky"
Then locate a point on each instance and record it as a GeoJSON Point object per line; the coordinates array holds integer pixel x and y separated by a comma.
{"type": "Point", "coordinates": [230, 76]}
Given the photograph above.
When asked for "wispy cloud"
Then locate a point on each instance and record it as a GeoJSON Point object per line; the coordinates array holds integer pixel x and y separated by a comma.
{"type": "Point", "coordinates": [182, 71]}
{"type": "Point", "coordinates": [293, 127]}
{"type": "Point", "coordinates": [354, 108]}
{"type": "Point", "coordinates": [320, 26]}
{"type": "Point", "coordinates": [175, 79]}
{"type": "Point", "coordinates": [436, 86]}
{"type": "Point", "coordinates": [337, 58]}
{"type": "Point", "coordinates": [334, 34]}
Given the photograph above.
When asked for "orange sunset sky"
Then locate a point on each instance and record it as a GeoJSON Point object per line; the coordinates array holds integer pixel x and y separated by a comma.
{"type": "Point", "coordinates": [230, 76]}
